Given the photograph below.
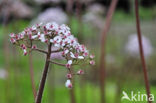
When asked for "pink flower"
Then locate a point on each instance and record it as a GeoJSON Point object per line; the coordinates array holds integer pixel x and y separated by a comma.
{"type": "Point", "coordinates": [92, 56]}
{"type": "Point", "coordinates": [23, 46]}
{"type": "Point", "coordinates": [12, 35]}
{"type": "Point", "coordinates": [12, 40]}
{"type": "Point", "coordinates": [16, 36]}
{"type": "Point", "coordinates": [25, 52]}
{"type": "Point", "coordinates": [85, 54]}
{"type": "Point", "coordinates": [69, 76]}
{"type": "Point", "coordinates": [68, 65]}
{"type": "Point", "coordinates": [80, 72]}
{"type": "Point", "coordinates": [92, 62]}
{"type": "Point", "coordinates": [34, 47]}
{"type": "Point", "coordinates": [30, 36]}
{"type": "Point", "coordinates": [46, 41]}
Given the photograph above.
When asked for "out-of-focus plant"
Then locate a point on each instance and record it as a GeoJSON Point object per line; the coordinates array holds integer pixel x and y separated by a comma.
{"type": "Point", "coordinates": [142, 57]}
{"type": "Point", "coordinates": [60, 37]}
{"type": "Point", "coordinates": [103, 41]}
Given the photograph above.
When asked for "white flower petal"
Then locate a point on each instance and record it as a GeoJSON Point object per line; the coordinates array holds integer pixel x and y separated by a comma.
{"type": "Point", "coordinates": [80, 57]}
{"type": "Point", "coordinates": [66, 51]}
{"type": "Point", "coordinates": [70, 62]}
{"type": "Point", "coordinates": [68, 82]}
{"type": "Point", "coordinates": [34, 36]}
{"type": "Point", "coordinates": [72, 55]}
{"type": "Point", "coordinates": [51, 40]}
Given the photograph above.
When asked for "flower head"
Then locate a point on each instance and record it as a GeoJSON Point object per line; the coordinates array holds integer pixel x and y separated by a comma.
{"type": "Point", "coordinates": [60, 37]}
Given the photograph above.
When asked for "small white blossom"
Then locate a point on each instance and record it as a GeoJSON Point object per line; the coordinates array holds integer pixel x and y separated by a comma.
{"type": "Point", "coordinates": [80, 57]}
{"type": "Point", "coordinates": [42, 38]}
{"type": "Point", "coordinates": [34, 36]}
{"type": "Point", "coordinates": [12, 35]}
{"type": "Point", "coordinates": [66, 51]}
{"type": "Point", "coordinates": [68, 84]}
{"type": "Point", "coordinates": [25, 52]}
{"type": "Point", "coordinates": [72, 55]}
{"type": "Point", "coordinates": [70, 62]}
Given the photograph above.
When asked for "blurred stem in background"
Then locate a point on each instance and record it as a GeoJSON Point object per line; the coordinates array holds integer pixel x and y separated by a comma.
{"type": "Point", "coordinates": [103, 43]}
{"type": "Point", "coordinates": [79, 17]}
{"type": "Point", "coordinates": [7, 60]}
{"type": "Point", "coordinates": [83, 90]}
{"type": "Point", "coordinates": [144, 67]}
{"type": "Point", "coordinates": [69, 9]}
{"type": "Point", "coordinates": [6, 50]}
{"type": "Point", "coordinates": [83, 93]}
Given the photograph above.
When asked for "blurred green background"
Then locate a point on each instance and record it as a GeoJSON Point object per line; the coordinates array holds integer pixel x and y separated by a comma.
{"type": "Point", "coordinates": [123, 70]}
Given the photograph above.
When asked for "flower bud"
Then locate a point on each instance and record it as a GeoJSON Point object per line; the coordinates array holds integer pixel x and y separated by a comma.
{"type": "Point", "coordinates": [12, 40]}
{"type": "Point", "coordinates": [46, 41]}
{"type": "Point", "coordinates": [12, 35]}
{"type": "Point", "coordinates": [69, 76]}
{"type": "Point", "coordinates": [68, 84]}
{"type": "Point", "coordinates": [25, 52]}
{"type": "Point", "coordinates": [23, 46]}
{"type": "Point", "coordinates": [68, 65]}
{"type": "Point", "coordinates": [85, 54]}
{"type": "Point", "coordinates": [91, 56]}
{"type": "Point", "coordinates": [34, 47]}
{"type": "Point", "coordinates": [80, 72]}
{"type": "Point", "coordinates": [92, 62]}
{"type": "Point", "coordinates": [30, 36]}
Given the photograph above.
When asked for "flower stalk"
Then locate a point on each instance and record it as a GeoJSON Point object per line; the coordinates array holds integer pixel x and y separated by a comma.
{"type": "Point", "coordinates": [44, 77]}
{"type": "Point", "coordinates": [144, 67]}
{"type": "Point", "coordinates": [103, 40]}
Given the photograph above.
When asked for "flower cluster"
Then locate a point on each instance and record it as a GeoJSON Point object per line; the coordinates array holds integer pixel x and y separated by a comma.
{"type": "Point", "coordinates": [60, 37]}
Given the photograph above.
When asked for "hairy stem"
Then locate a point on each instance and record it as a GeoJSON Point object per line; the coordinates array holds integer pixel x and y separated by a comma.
{"type": "Point", "coordinates": [44, 76]}
{"type": "Point", "coordinates": [142, 51]}
{"type": "Point", "coordinates": [102, 59]}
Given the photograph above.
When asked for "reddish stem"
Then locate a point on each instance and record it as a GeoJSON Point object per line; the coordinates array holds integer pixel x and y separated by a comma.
{"type": "Point", "coordinates": [102, 59]}
{"type": "Point", "coordinates": [78, 9]}
{"type": "Point", "coordinates": [72, 95]}
{"type": "Point", "coordinates": [142, 51]}
{"type": "Point", "coordinates": [44, 76]}
{"type": "Point", "coordinates": [79, 17]}
{"type": "Point", "coordinates": [57, 63]}
{"type": "Point", "coordinates": [69, 7]}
